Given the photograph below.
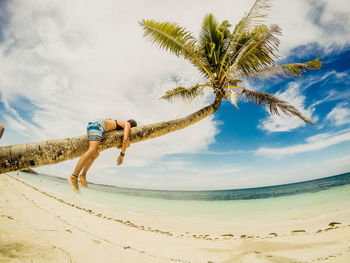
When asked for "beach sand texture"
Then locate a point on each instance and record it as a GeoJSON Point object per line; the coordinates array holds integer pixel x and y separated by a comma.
{"type": "Point", "coordinates": [39, 226]}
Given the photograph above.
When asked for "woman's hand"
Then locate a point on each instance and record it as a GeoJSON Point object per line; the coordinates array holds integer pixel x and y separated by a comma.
{"type": "Point", "coordinates": [120, 160]}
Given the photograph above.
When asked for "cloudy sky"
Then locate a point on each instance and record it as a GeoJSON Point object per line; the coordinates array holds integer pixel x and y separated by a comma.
{"type": "Point", "coordinates": [63, 63]}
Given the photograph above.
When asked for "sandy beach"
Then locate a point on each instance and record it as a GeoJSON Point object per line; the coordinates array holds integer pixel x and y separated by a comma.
{"type": "Point", "coordinates": [37, 225]}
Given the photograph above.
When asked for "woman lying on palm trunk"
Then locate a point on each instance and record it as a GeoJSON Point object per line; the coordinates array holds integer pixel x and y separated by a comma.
{"type": "Point", "coordinates": [96, 130]}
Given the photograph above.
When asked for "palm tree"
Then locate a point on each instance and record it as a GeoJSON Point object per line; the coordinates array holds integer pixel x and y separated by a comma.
{"type": "Point", "coordinates": [227, 58]}
{"type": "Point", "coordinates": [224, 57]}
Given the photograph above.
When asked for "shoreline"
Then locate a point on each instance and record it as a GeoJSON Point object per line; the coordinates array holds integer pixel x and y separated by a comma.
{"type": "Point", "coordinates": [129, 238]}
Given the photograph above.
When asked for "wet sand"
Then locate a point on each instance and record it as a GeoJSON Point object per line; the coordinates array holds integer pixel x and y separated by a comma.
{"type": "Point", "coordinates": [39, 226]}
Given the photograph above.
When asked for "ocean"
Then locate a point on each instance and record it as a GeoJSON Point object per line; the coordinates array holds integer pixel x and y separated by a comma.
{"type": "Point", "coordinates": [234, 194]}
{"type": "Point", "coordinates": [310, 198]}
{"type": "Point", "coordinates": [311, 186]}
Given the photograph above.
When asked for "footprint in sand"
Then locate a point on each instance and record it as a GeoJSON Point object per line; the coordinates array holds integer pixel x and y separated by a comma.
{"type": "Point", "coordinates": [298, 231]}
{"type": "Point", "coordinates": [227, 235]}
{"type": "Point", "coordinates": [332, 224]}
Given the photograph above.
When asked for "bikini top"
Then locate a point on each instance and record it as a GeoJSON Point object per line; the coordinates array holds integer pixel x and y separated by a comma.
{"type": "Point", "coordinates": [117, 126]}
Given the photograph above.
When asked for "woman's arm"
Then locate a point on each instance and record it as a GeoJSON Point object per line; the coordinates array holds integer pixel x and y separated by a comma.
{"type": "Point", "coordinates": [126, 143]}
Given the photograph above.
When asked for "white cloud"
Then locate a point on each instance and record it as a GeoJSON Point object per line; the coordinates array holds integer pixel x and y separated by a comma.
{"type": "Point", "coordinates": [313, 143]}
{"type": "Point", "coordinates": [79, 62]}
{"type": "Point", "coordinates": [292, 95]}
{"type": "Point", "coordinates": [311, 170]}
{"type": "Point", "coordinates": [342, 75]}
{"type": "Point", "coordinates": [181, 175]}
{"type": "Point", "coordinates": [302, 171]}
{"type": "Point", "coordinates": [15, 125]}
{"type": "Point", "coordinates": [339, 115]}
{"type": "Point", "coordinates": [317, 21]}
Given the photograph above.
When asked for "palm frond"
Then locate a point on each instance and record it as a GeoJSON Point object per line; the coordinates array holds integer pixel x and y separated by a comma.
{"type": "Point", "coordinates": [208, 30]}
{"type": "Point", "coordinates": [175, 39]}
{"type": "Point", "coordinates": [276, 106]}
{"type": "Point", "coordinates": [170, 36]}
{"type": "Point", "coordinates": [287, 70]}
{"type": "Point", "coordinates": [234, 82]}
{"type": "Point", "coordinates": [183, 93]}
{"type": "Point", "coordinates": [258, 50]}
{"type": "Point", "coordinates": [256, 15]}
{"type": "Point", "coordinates": [213, 41]}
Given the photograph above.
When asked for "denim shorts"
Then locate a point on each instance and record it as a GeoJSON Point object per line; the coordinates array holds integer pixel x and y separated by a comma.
{"type": "Point", "coordinates": [96, 130]}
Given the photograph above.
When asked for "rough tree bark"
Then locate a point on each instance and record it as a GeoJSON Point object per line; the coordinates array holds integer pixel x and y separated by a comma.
{"type": "Point", "coordinates": [30, 155]}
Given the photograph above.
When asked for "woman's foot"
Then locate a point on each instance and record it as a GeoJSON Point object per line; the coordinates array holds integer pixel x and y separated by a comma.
{"type": "Point", "coordinates": [83, 180]}
{"type": "Point", "coordinates": [73, 181]}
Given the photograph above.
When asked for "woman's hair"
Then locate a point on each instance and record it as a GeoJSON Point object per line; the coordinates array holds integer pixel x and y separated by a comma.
{"type": "Point", "coordinates": [132, 122]}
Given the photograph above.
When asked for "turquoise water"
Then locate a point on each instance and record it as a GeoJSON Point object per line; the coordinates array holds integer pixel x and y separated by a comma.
{"type": "Point", "coordinates": [311, 197]}
{"type": "Point", "coordinates": [236, 194]}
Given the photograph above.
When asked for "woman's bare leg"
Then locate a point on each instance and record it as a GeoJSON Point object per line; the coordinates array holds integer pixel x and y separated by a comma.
{"type": "Point", "coordinates": [84, 159]}
{"type": "Point", "coordinates": [88, 164]}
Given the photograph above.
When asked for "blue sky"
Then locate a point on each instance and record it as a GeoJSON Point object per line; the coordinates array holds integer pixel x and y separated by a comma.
{"type": "Point", "coordinates": [63, 64]}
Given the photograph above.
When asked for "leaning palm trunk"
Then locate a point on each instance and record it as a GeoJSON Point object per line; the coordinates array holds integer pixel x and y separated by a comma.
{"type": "Point", "coordinates": [30, 155]}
